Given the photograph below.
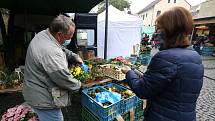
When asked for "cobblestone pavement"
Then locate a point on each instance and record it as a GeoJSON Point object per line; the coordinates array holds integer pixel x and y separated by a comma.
{"type": "Point", "coordinates": [206, 100]}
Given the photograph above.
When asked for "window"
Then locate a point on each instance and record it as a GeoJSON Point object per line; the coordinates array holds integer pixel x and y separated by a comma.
{"type": "Point", "coordinates": [85, 37]}
{"type": "Point", "coordinates": [174, 1]}
{"type": "Point", "coordinates": [168, 1]}
{"type": "Point", "coordinates": [143, 17]}
{"type": "Point", "coordinates": [158, 13]}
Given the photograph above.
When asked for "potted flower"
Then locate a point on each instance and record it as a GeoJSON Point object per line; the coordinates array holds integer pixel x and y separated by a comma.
{"type": "Point", "coordinates": [19, 113]}
{"type": "Point", "coordinates": [78, 73]}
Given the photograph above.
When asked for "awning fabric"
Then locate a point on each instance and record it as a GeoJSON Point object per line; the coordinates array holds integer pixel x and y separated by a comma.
{"type": "Point", "coordinates": [49, 6]}
{"type": "Point", "coordinates": [204, 21]}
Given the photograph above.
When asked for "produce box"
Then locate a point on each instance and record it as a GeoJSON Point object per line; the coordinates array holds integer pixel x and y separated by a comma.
{"type": "Point", "coordinates": [113, 71]}
{"type": "Point", "coordinates": [207, 51]}
{"type": "Point", "coordinates": [104, 112]}
{"type": "Point", "coordinates": [128, 97]}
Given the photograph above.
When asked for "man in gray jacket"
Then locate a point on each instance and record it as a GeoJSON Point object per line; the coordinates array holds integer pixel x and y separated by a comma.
{"type": "Point", "coordinates": [47, 80]}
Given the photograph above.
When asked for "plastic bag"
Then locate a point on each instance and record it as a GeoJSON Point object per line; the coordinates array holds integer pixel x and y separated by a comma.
{"type": "Point", "coordinates": [104, 97]}
{"type": "Point", "coordinates": [84, 67]}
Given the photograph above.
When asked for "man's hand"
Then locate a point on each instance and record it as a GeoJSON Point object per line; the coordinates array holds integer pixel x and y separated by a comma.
{"type": "Point", "coordinates": [125, 69]}
{"type": "Point", "coordinates": [79, 60]}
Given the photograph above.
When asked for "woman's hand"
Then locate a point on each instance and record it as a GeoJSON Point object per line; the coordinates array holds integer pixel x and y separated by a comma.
{"type": "Point", "coordinates": [125, 69]}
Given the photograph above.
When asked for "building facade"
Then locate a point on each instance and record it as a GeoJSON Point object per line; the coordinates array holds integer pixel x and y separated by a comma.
{"type": "Point", "coordinates": [157, 7]}
{"type": "Point", "coordinates": [207, 9]}
{"type": "Point", "coordinates": [204, 20]}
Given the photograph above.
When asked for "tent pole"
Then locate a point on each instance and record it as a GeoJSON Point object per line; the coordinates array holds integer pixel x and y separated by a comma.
{"type": "Point", "coordinates": [106, 28]}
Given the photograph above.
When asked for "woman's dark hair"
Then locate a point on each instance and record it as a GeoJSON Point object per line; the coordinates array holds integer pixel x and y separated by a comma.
{"type": "Point", "coordinates": [176, 24]}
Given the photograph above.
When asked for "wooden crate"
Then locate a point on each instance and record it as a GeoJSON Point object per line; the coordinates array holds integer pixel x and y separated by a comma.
{"type": "Point", "coordinates": [112, 71]}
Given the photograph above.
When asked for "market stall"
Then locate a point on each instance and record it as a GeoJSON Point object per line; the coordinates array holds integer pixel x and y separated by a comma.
{"type": "Point", "coordinates": [102, 78]}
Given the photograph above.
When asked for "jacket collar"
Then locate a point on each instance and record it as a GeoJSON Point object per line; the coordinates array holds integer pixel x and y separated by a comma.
{"type": "Point", "coordinates": [52, 38]}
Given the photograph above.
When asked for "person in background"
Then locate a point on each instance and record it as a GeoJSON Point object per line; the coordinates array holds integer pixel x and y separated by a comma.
{"type": "Point", "coordinates": [145, 40]}
{"type": "Point", "coordinates": [199, 43]}
{"type": "Point", "coordinates": [174, 77]}
{"type": "Point", "coordinates": [47, 80]}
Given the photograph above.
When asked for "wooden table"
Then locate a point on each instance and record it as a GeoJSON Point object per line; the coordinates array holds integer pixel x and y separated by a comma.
{"type": "Point", "coordinates": [11, 90]}
{"type": "Point", "coordinates": [97, 83]}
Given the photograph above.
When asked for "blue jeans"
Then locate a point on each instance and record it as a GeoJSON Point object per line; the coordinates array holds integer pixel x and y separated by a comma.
{"type": "Point", "coordinates": [49, 114]}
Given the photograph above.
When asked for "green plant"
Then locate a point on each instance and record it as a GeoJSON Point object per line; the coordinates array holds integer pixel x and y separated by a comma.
{"type": "Point", "coordinates": [78, 73]}
{"type": "Point", "coordinates": [94, 67]}
{"type": "Point", "coordinates": [95, 72]}
{"type": "Point", "coordinates": [10, 79]}
{"type": "Point", "coordinates": [3, 77]}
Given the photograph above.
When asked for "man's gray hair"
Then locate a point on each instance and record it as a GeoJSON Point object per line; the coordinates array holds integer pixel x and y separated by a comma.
{"type": "Point", "coordinates": [61, 24]}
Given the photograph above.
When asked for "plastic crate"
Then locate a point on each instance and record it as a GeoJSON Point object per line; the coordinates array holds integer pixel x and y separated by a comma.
{"type": "Point", "coordinates": [123, 84]}
{"type": "Point", "coordinates": [139, 110]}
{"type": "Point", "coordinates": [125, 116]}
{"type": "Point", "coordinates": [207, 49]}
{"type": "Point", "coordinates": [139, 105]}
{"type": "Point", "coordinates": [103, 113]}
{"type": "Point", "coordinates": [127, 103]}
{"type": "Point", "coordinates": [131, 59]}
{"type": "Point", "coordinates": [113, 71]}
{"type": "Point", "coordinates": [145, 52]}
{"type": "Point", "coordinates": [139, 116]}
{"type": "Point", "coordinates": [145, 59]}
{"type": "Point", "coordinates": [207, 53]}
{"type": "Point", "coordinates": [86, 115]}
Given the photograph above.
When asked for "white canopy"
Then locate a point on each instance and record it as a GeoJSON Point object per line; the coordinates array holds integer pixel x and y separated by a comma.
{"type": "Point", "coordinates": [124, 31]}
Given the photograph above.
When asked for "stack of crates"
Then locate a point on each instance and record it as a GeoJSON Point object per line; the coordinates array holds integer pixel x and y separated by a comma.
{"type": "Point", "coordinates": [207, 51]}
{"type": "Point", "coordinates": [125, 116]}
{"type": "Point", "coordinates": [86, 115]}
{"type": "Point", "coordinates": [93, 111]}
{"type": "Point", "coordinates": [139, 110]}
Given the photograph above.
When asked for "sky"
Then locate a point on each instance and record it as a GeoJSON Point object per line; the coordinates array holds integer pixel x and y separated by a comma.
{"type": "Point", "coordinates": [137, 5]}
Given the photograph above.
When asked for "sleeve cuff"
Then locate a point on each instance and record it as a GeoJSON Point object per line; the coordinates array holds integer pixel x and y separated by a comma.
{"type": "Point", "coordinates": [131, 74]}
